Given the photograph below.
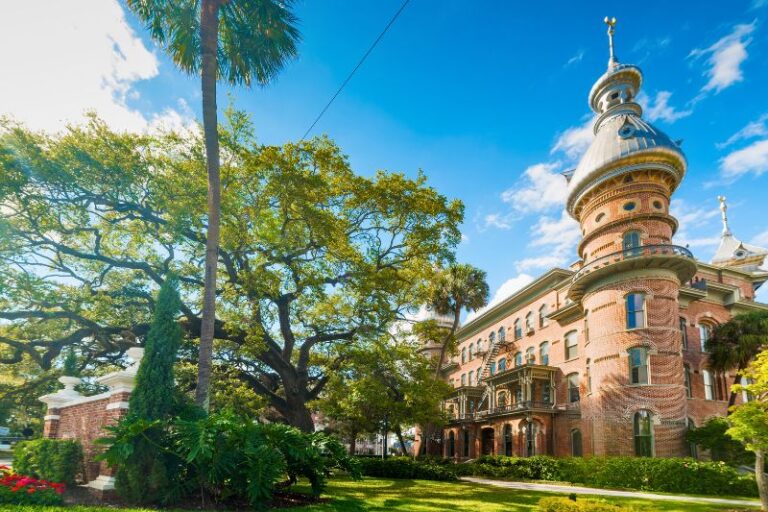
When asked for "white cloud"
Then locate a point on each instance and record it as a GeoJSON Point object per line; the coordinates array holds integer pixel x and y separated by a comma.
{"type": "Point", "coordinates": [761, 239]}
{"type": "Point", "coordinates": [660, 109]}
{"type": "Point", "coordinates": [578, 57]}
{"type": "Point", "coordinates": [497, 220]}
{"type": "Point", "coordinates": [725, 57]}
{"type": "Point", "coordinates": [751, 159]}
{"type": "Point", "coordinates": [64, 58]}
{"type": "Point", "coordinates": [507, 289]}
{"type": "Point", "coordinates": [542, 188]}
{"type": "Point", "coordinates": [575, 140]}
{"type": "Point", "coordinates": [756, 128]}
{"type": "Point", "coordinates": [558, 236]}
{"type": "Point", "coordinates": [693, 216]}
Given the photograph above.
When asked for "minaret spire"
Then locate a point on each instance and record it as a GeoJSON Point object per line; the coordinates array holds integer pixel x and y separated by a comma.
{"type": "Point", "coordinates": [611, 22]}
{"type": "Point", "coordinates": [724, 215]}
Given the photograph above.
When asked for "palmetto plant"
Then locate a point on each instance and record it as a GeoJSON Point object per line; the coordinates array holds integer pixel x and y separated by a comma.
{"type": "Point", "coordinates": [241, 42]}
{"type": "Point", "coordinates": [734, 344]}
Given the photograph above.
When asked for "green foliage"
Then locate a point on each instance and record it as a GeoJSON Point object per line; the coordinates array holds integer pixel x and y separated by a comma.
{"type": "Point", "coordinates": [314, 257]}
{"type": "Point", "coordinates": [712, 436]}
{"type": "Point", "coordinates": [406, 467]}
{"type": "Point", "coordinates": [577, 505]}
{"type": "Point", "coordinates": [649, 474]}
{"type": "Point", "coordinates": [229, 457]}
{"type": "Point", "coordinates": [56, 460]}
{"type": "Point", "coordinates": [749, 422]}
{"type": "Point", "coordinates": [42, 497]}
{"type": "Point", "coordinates": [69, 367]}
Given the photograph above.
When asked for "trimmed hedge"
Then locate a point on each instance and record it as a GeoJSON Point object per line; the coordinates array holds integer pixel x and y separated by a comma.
{"type": "Point", "coordinates": [405, 467]}
{"type": "Point", "coordinates": [55, 460]}
{"type": "Point", "coordinates": [568, 505]}
{"type": "Point", "coordinates": [673, 475]}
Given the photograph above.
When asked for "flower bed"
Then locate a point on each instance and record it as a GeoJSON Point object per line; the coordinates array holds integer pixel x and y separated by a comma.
{"type": "Point", "coordinates": [25, 490]}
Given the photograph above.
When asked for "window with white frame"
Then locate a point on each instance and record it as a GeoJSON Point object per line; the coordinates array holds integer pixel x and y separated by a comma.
{"type": "Point", "coordinates": [635, 306]}
{"type": "Point", "coordinates": [684, 332]}
{"type": "Point", "coordinates": [573, 387]}
{"type": "Point", "coordinates": [471, 351]}
{"type": "Point", "coordinates": [502, 336]}
{"type": "Point", "coordinates": [543, 312]}
{"type": "Point", "coordinates": [463, 355]}
{"type": "Point", "coordinates": [571, 345]}
{"type": "Point", "coordinates": [502, 364]}
{"type": "Point", "coordinates": [529, 321]}
{"type": "Point", "coordinates": [544, 353]}
{"type": "Point", "coordinates": [530, 355]}
{"type": "Point", "coordinates": [518, 329]}
{"type": "Point", "coordinates": [643, 429]}
{"type": "Point", "coordinates": [705, 331]}
{"type": "Point", "coordinates": [518, 359]}
{"type": "Point", "coordinates": [638, 365]}
{"type": "Point", "coordinates": [709, 385]}
{"type": "Point", "coordinates": [687, 376]}
{"type": "Point", "coordinates": [463, 379]}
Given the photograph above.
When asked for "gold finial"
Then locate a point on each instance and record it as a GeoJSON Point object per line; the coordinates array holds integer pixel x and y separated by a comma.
{"type": "Point", "coordinates": [611, 22]}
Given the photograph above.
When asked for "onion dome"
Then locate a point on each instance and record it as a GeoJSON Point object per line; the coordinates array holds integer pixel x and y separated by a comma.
{"type": "Point", "coordinates": [624, 142]}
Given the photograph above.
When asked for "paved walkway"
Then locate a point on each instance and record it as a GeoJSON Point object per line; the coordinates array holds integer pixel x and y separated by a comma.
{"type": "Point", "coordinates": [567, 489]}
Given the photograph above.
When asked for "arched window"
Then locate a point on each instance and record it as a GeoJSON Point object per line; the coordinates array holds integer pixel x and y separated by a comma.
{"type": "Point", "coordinates": [518, 329]}
{"type": "Point", "coordinates": [530, 355]}
{"type": "Point", "coordinates": [687, 375]}
{"type": "Point", "coordinates": [588, 375]}
{"type": "Point", "coordinates": [643, 428]}
{"type": "Point", "coordinates": [571, 345]}
{"type": "Point", "coordinates": [492, 367]}
{"type": "Point", "coordinates": [544, 353]}
{"type": "Point", "coordinates": [465, 443]}
{"type": "Point", "coordinates": [705, 331]}
{"type": "Point", "coordinates": [471, 351]}
{"type": "Point", "coordinates": [709, 385]}
{"type": "Point", "coordinates": [631, 243]}
{"type": "Point", "coordinates": [508, 440]}
{"type": "Point", "coordinates": [463, 355]}
{"type": "Point", "coordinates": [479, 345]}
{"type": "Point", "coordinates": [491, 340]}
{"type": "Point", "coordinates": [543, 312]}
{"type": "Point", "coordinates": [502, 364]}
{"type": "Point", "coordinates": [635, 304]}
{"type": "Point", "coordinates": [451, 444]}
{"type": "Point", "coordinates": [518, 359]}
{"type": "Point", "coordinates": [638, 365]}
{"type": "Point", "coordinates": [463, 379]}
{"type": "Point", "coordinates": [529, 321]}
{"type": "Point", "coordinates": [502, 335]}
{"type": "Point", "coordinates": [576, 449]}
{"type": "Point", "coordinates": [684, 332]}
{"type": "Point", "coordinates": [502, 399]}
{"type": "Point", "coordinates": [573, 387]}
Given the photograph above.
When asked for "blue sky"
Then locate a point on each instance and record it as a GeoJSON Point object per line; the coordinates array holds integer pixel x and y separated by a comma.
{"type": "Point", "coordinates": [489, 99]}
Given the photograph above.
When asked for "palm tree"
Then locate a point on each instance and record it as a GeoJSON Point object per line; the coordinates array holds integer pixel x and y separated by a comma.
{"type": "Point", "coordinates": [734, 344]}
{"type": "Point", "coordinates": [240, 41]}
{"type": "Point", "coordinates": [458, 287]}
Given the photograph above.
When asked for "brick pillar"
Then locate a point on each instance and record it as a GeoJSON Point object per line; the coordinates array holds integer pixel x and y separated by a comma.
{"type": "Point", "coordinates": [51, 423]}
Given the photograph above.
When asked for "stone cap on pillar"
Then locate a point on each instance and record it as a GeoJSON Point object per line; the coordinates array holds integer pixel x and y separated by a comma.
{"type": "Point", "coordinates": [124, 380]}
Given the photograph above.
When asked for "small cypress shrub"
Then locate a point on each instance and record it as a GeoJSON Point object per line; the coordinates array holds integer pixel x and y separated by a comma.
{"type": "Point", "coordinates": [55, 460]}
{"type": "Point", "coordinates": [146, 475]}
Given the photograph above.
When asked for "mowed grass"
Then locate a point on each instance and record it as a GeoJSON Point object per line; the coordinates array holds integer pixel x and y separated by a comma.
{"type": "Point", "coordinates": [375, 494]}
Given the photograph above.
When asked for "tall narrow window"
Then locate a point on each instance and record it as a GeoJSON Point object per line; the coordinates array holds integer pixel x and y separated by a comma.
{"type": "Point", "coordinates": [635, 303]}
{"type": "Point", "coordinates": [544, 353]}
{"type": "Point", "coordinates": [687, 376]}
{"type": "Point", "coordinates": [709, 385]}
{"type": "Point", "coordinates": [502, 364]}
{"type": "Point", "coordinates": [573, 387]}
{"type": "Point", "coordinates": [518, 329]}
{"type": "Point", "coordinates": [546, 393]}
{"type": "Point", "coordinates": [508, 440]}
{"type": "Point", "coordinates": [588, 375]}
{"type": "Point", "coordinates": [518, 395]}
{"type": "Point", "coordinates": [463, 355]}
{"type": "Point", "coordinates": [705, 331]}
{"type": "Point", "coordinates": [529, 321]}
{"type": "Point", "coordinates": [491, 341]}
{"type": "Point", "coordinates": [684, 332]}
{"type": "Point", "coordinates": [478, 376]}
{"type": "Point", "coordinates": [492, 367]}
{"type": "Point", "coordinates": [576, 449]}
{"type": "Point", "coordinates": [471, 351]}
{"type": "Point", "coordinates": [502, 336]}
{"type": "Point", "coordinates": [502, 400]}
{"type": "Point", "coordinates": [451, 444]}
{"type": "Point", "coordinates": [571, 345]}
{"type": "Point", "coordinates": [638, 365]}
{"type": "Point", "coordinates": [479, 345]}
{"type": "Point", "coordinates": [692, 448]}
{"type": "Point", "coordinates": [631, 243]}
{"type": "Point", "coordinates": [643, 427]}
{"type": "Point", "coordinates": [543, 312]}
{"type": "Point", "coordinates": [586, 326]}
{"type": "Point", "coordinates": [518, 359]}
{"type": "Point", "coordinates": [530, 356]}
{"type": "Point", "coordinates": [463, 379]}
{"type": "Point", "coordinates": [465, 442]}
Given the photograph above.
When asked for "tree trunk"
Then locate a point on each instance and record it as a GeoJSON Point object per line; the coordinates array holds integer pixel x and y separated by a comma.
{"type": "Point", "coordinates": [399, 432]}
{"type": "Point", "coordinates": [353, 443]}
{"type": "Point", "coordinates": [760, 477]}
{"type": "Point", "coordinates": [297, 415]}
{"type": "Point", "coordinates": [209, 33]}
{"type": "Point", "coordinates": [732, 398]}
{"type": "Point", "coordinates": [384, 447]}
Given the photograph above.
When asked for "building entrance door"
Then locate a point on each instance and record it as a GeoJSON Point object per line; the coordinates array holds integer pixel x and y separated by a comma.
{"type": "Point", "coordinates": [486, 441]}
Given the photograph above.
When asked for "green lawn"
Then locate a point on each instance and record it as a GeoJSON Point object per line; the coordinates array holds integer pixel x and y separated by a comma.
{"type": "Point", "coordinates": [371, 494]}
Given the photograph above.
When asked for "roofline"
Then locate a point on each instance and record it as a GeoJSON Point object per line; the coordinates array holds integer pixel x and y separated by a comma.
{"type": "Point", "coordinates": [550, 280]}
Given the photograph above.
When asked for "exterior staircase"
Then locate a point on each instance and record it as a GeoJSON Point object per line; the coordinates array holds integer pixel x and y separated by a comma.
{"type": "Point", "coordinates": [489, 358]}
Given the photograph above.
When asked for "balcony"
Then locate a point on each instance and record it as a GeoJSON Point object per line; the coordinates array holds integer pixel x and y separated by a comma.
{"type": "Point", "coordinates": [671, 257]}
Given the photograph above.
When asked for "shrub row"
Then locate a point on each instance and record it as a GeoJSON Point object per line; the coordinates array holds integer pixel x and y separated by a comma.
{"type": "Point", "coordinates": [405, 467]}
{"type": "Point", "coordinates": [568, 505]}
{"type": "Point", "coordinates": [673, 475]}
{"type": "Point", "coordinates": [56, 460]}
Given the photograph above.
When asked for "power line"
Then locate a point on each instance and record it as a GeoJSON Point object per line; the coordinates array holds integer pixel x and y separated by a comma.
{"type": "Point", "coordinates": [360, 63]}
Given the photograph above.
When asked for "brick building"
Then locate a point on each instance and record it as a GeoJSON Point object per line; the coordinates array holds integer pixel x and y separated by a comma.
{"type": "Point", "coordinates": [606, 357]}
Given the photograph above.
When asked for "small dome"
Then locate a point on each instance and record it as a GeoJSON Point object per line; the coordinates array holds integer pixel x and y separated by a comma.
{"type": "Point", "coordinates": [622, 142]}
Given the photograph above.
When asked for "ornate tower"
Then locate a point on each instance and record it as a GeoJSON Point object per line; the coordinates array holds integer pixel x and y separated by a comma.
{"type": "Point", "coordinates": [634, 398]}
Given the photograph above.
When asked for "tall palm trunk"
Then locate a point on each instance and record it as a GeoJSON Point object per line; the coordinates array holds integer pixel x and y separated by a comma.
{"type": "Point", "coordinates": [761, 478]}
{"type": "Point", "coordinates": [209, 29]}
